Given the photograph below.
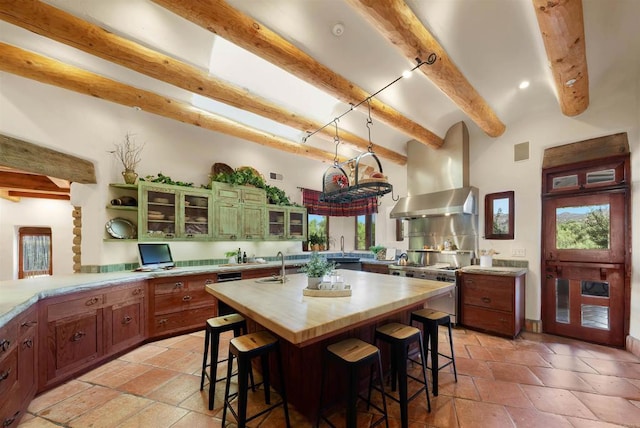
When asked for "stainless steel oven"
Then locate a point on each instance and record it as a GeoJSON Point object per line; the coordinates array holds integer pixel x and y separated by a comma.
{"type": "Point", "coordinates": [447, 302]}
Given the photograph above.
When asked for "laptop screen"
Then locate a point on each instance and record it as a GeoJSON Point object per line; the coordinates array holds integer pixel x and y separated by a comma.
{"type": "Point", "coordinates": [155, 256]}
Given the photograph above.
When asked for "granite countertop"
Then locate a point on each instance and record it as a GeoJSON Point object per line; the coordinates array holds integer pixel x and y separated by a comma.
{"type": "Point", "coordinates": [377, 262]}
{"type": "Point", "coordinates": [18, 295]}
{"type": "Point", "coordinates": [494, 270]}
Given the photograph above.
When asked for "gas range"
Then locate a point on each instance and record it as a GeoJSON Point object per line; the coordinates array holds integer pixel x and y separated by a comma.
{"type": "Point", "coordinates": [437, 272]}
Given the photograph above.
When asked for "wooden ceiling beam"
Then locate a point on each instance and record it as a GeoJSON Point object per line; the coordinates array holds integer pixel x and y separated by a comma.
{"type": "Point", "coordinates": [20, 195]}
{"type": "Point", "coordinates": [63, 27]}
{"type": "Point", "coordinates": [46, 70]}
{"type": "Point", "coordinates": [561, 23]}
{"type": "Point", "coordinates": [4, 194]}
{"type": "Point", "coordinates": [220, 18]}
{"type": "Point", "coordinates": [397, 22]}
{"type": "Point", "coordinates": [24, 182]}
{"type": "Point", "coordinates": [28, 157]}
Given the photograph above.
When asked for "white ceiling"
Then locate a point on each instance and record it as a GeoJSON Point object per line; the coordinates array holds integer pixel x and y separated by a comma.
{"type": "Point", "coordinates": [495, 43]}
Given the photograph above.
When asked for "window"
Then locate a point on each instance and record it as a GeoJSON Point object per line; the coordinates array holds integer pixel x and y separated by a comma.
{"type": "Point", "coordinates": [498, 215]}
{"type": "Point", "coordinates": [583, 227]}
{"type": "Point", "coordinates": [365, 231]}
{"type": "Point", "coordinates": [318, 229]}
{"type": "Point", "coordinates": [35, 252]}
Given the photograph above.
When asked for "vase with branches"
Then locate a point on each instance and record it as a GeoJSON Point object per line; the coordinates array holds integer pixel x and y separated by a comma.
{"type": "Point", "coordinates": [129, 154]}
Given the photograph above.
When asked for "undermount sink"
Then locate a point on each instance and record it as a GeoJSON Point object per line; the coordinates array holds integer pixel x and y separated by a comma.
{"type": "Point", "coordinates": [345, 259]}
{"type": "Point", "coordinates": [272, 280]}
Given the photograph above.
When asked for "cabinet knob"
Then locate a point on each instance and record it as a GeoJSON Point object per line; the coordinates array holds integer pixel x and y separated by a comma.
{"type": "Point", "coordinates": [163, 321]}
{"type": "Point", "coordinates": [208, 282]}
{"type": "Point", "coordinates": [126, 319]}
{"type": "Point", "coordinates": [4, 345]}
{"type": "Point", "coordinates": [5, 375]}
{"type": "Point", "coordinates": [28, 323]}
{"type": "Point", "coordinates": [136, 291]}
{"type": "Point", "coordinates": [12, 419]}
{"type": "Point", "coordinates": [186, 298]}
{"type": "Point", "coordinates": [179, 285]}
{"type": "Point", "coordinates": [486, 300]}
{"type": "Point", "coordinates": [28, 343]}
{"type": "Point", "coordinates": [92, 301]}
{"type": "Point", "coordinates": [77, 336]}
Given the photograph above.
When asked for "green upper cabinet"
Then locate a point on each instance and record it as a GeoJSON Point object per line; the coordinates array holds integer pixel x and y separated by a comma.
{"type": "Point", "coordinates": [286, 223]}
{"type": "Point", "coordinates": [238, 212]}
{"type": "Point", "coordinates": [196, 209]}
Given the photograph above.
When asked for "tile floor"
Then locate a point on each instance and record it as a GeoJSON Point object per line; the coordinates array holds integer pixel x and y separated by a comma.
{"type": "Point", "coordinates": [534, 381]}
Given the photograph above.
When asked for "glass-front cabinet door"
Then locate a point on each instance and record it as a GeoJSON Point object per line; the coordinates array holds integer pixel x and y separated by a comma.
{"type": "Point", "coordinates": [297, 223]}
{"type": "Point", "coordinates": [196, 215]}
{"type": "Point", "coordinates": [276, 222]}
{"type": "Point", "coordinates": [158, 213]}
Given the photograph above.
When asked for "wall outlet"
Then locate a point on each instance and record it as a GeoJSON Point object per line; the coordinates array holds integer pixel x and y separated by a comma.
{"type": "Point", "coordinates": [518, 252]}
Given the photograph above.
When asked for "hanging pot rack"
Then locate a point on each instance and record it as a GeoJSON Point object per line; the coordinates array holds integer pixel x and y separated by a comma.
{"type": "Point", "coordinates": [337, 187]}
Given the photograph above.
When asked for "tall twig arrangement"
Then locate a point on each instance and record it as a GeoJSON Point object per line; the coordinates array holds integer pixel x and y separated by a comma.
{"type": "Point", "coordinates": [128, 152]}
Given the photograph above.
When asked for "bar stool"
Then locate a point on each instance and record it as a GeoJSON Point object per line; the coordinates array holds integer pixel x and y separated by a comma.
{"type": "Point", "coordinates": [431, 319]}
{"type": "Point", "coordinates": [353, 354]}
{"type": "Point", "coordinates": [244, 349]}
{"type": "Point", "coordinates": [400, 337]}
{"type": "Point", "coordinates": [214, 328]}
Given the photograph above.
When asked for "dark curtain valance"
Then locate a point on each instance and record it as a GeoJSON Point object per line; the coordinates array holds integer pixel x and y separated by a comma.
{"type": "Point", "coordinates": [311, 200]}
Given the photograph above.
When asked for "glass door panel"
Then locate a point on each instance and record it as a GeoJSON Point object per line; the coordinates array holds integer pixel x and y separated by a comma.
{"type": "Point", "coordinates": [160, 221]}
{"type": "Point", "coordinates": [196, 216]}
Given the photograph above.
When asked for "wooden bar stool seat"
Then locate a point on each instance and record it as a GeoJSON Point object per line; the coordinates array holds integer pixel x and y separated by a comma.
{"type": "Point", "coordinates": [400, 337]}
{"type": "Point", "coordinates": [431, 319]}
{"type": "Point", "coordinates": [353, 354]}
{"type": "Point", "coordinates": [244, 349]}
{"type": "Point", "coordinates": [213, 329]}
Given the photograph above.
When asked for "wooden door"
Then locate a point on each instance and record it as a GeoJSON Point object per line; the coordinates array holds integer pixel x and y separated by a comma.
{"type": "Point", "coordinates": [585, 254]}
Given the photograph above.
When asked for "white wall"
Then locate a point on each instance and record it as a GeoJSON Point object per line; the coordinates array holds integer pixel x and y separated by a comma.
{"type": "Point", "coordinates": [35, 213]}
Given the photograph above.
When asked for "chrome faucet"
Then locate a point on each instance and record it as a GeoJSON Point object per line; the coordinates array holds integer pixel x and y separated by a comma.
{"type": "Point", "coordinates": [282, 271]}
{"type": "Point", "coordinates": [342, 245]}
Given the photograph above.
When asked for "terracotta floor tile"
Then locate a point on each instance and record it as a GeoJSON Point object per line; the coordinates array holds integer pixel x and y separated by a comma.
{"type": "Point", "coordinates": [197, 420]}
{"type": "Point", "coordinates": [513, 373]}
{"type": "Point", "coordinates": [169, 341]}
{"type": "Point", "coordinates": [443, 413]}
{"type": "Point", "coordinates": [611, 409]}
{"type": "Point", "coordinates": [528, 358]}
{"type": "Point", "coordinates": [78, 404]}
{"type": "Point", "coordinates": [142, 353]}
{"type": "Point", "coordinates": [611, 385]}
{"type": "Point", "coordinates": [177, 390]}
{"type": "Point", "coordinates": [557, 401]}
{"type": "Point", "coordinates": [532, 418]}
{"type": "Point", "coordinates": [112, 412]}
{"type": "Point", "coordinates": [476, 414]}
{"type": "Point", "coordinates": [57, 395]}
{"type": "Point", "coordinates": [564, 379]}
{"type": "Point", "coordinates": [495, 342]}
{"type": "Point", "coordinates": [614, 368]}
{"type": "Point", "coordinates": [606, 353]}
{"type": "Point", "coordinates": [475, 368]}
{"type": "Point", "coordinates": [105, 368]}
{"type": "Point", "coordinates": [35, 422]}
{"type": "Point", "coordinates": [116, 377]}
{"type": "Point", "coordinates": [504, 393]}
{"type": "Point", "coordinates": [588, 423]}
{"type": "Point", "coordinates": [148, 381]}
{"type": "Point", "coordinates": [568, 362]}
{"type": "Point", "coordinates": [464, 388]}
{"type": "Point", "coordinates": [478, 352]}
{"type": "Point", "coordinates": [168, 358]}
{"type": "Point", "coordinates": [190, 343]}
{"type": "Point", "coordinates": [569, 349]}
{"type": "Point", "coordinates": [157, 415]}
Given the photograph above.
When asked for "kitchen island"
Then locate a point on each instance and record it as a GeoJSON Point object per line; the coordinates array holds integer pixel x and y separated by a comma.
{"type": "Point", "coordinates": [306, 325]}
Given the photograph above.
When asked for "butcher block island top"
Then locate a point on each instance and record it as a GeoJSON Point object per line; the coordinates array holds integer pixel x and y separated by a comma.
{"type": "Point", "coordinates": [303, 320]}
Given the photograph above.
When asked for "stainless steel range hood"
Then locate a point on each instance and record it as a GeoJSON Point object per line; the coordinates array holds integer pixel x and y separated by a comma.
{"type": "Point", "coordinates": [463, 200]}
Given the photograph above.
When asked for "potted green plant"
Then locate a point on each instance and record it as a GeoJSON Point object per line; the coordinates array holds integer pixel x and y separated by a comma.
{"type": "Point", "coordinates": [315, 269]}
{"type": "Point", "coordinates": [231, 256]}
{"type": "Point", "coordinates": [379, 251]}
{"type": "Point", "coordinates": [316, 240]}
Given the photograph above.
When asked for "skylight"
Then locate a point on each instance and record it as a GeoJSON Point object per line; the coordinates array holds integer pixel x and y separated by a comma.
{"type": "Point", "coordinates": [244, 69]}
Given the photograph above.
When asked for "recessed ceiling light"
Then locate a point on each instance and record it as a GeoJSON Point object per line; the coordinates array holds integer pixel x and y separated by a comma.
{"type": "Point", "coordinates": [524, 84]}
{"type": "Point", "coordinates": [338, 29]}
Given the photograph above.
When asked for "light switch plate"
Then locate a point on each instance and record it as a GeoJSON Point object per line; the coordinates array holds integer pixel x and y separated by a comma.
{"type": "Point", "coordinates": [518, 252]}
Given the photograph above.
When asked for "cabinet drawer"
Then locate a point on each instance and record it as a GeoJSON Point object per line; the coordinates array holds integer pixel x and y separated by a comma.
{"type": "Point", "coordinates": [73, 307]}
{"type": "Point", "coordinates": [126, 324]}
{"type": "Point", "coordinates": [27, 323]}
{"type": "Point", "coordinates": [194, 318]}
{"type": "Point", "coordinates": [12, 409]}
{"type": "Point", "coordinates": [8, 371]}
{"type": "Point", "coordinates": [8, 338]}
{"type": "Point", "coordinates": [488, 320]}
{"type": "Point", "coordinates": [199, 282]}
{"type": "Point", "coordinates": [182, 301]}
{"type": "Point", "coordinates": [494, 297]}
{"type": "Point", "coordinates": [76, 340]}
{"type": "Point", "coordinates": [125, 293]}
{"type": "Point", "coordinates": [177, 286]}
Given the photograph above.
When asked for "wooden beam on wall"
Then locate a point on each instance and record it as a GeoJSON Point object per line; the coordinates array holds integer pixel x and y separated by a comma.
{"type": "Point", "coordinates": [63, 27]}
{"type": "Point", "coordinates": [37, 67]}
{"type": "Point", "coordinates": [397, 22]}
{"type": "Point", "coordinates": [220, 18]}
{"type": "Point", "coordinates": [561, 23]}
{"type": "Point", "coordinates": [15, 181]}
{"type": "Point", "coordinates": [30, 157]}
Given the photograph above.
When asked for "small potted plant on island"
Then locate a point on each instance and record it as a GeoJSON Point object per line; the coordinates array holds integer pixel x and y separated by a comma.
{"type": "Point", "coordinates": [315, 269]}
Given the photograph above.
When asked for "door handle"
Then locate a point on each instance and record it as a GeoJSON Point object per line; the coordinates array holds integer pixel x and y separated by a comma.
{"type": "Point", "coordinates": [77, 336]}
{"type": "Point", "coordinates": [127, 319]}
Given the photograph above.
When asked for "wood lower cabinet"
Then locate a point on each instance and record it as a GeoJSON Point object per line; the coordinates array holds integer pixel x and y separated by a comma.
{"type": "Point", "coordinates": [80, 332]}
{"type": "Point", "coordinates": [375, 267]}
{"type": "Point", "coordinates": [180, 304]}
{"type": "Point", "coordinates": [493, 303]}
